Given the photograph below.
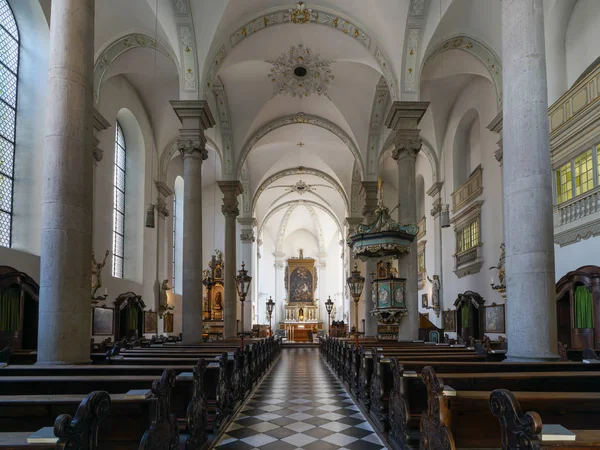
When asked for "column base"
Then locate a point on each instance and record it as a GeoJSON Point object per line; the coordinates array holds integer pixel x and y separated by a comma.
{"type": "Point", "coordinates": [63, 363]}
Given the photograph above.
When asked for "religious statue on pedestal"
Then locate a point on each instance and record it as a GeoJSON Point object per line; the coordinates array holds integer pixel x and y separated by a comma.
{"type": "Point", "coordinates": [162, 299]}
{"type": "Point", "coordinates": [435, 290]}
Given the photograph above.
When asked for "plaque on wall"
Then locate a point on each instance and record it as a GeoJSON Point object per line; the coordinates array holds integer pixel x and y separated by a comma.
{"type": "Point", "coordinates": [103, 321]}
{"type": "Point", "coordinates": [149, 322]}
{"type": "Point", "coordinates": [168, 323]}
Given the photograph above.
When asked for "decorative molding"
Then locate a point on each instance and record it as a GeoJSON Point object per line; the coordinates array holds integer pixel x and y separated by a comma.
{"type": "Point", "coordinates": [247, 236]}
{"type": "Point", "coordinates": [422, 272]}
{"type": "Point", "coordinates": [300, 118]}
{"type": "Point", "coordinates": [282, 228]}
{"type": "Point", "coordinates": [181, 7]}
{"type": "Point", "coordinates": [417, 7]}
{"type": "Point", "coordinates": [121, 46]}
{"type": "Point", "coordinates": [299, 171]}
{"type": "Point", "coordinates": [163, 189]}
{"type": "Point", "coordinates": [99, 124]}
{"type": "Point", "coordinates": [376, 124]}
{"type": "Point", "coordinates": [161, 207]}
{"type": "Point", "coordinates": [299, 202]}
{"type": "Point", "coordinates": [495, 126]}
{"type": "Point", "coordinates": [422, 228]}
{"type": "Point", "coordinates": [314, 77]}
{"type": "Point", "coordinates": [411, 58]}
{"type": "Point", "coordinates": [469, 190]}
{"type": "Point", "coordinates": [319, 16]}
{"type": "Point", "coordinates": [355, 190]}
{"type": "Point", "coordinates": [578, 233]}
{"type": "Point", "coordinates": [225, 125]}
{"type": "Point", "coordinates": [188, 52]}
{"type": "Point", "coordinates": [246, 191]}
{"type": "Point", "coordinates": [479, 50]}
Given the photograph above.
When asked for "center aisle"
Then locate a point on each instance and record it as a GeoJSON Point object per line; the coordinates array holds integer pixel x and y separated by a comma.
{"type": "Point", "coordinates": [300, 404]}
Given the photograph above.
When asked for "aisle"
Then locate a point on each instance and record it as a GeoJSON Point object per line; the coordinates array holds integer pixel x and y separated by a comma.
{"type": "Point", "coordinates": [300, 404]}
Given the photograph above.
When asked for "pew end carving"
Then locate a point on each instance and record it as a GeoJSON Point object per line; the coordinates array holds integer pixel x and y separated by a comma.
{"type": "Point", "coordinates": [519, 431]}
{"type": "Point", "coordinates": [398, 409]}
{"type": "Point", "coordinates": [81, 431]}
{"type": "Point", "coordinates": [196, 414]}
{"type": "Point", "coordinates": [435, 421]}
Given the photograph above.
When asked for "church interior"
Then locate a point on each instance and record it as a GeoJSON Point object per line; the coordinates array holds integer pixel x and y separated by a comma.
{"type": "Point", "coordinates": [339, 224]}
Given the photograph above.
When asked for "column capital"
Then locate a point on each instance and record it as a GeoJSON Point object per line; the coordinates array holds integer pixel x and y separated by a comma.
{"type": "Point", "coordinates": [407, 144]}
{"type": "Point", "coordinates": [161, 207]}
{"type": "Point", "coordinates": [405, 115]}
{"type": "Point", "coordinates": [247, 236]}
{"type": "Point", "coordinates": [247, 222]}
{"type": "Point", "coordinates": [230, 190]}
{"type": "Point", "coordinates": [192, 148]}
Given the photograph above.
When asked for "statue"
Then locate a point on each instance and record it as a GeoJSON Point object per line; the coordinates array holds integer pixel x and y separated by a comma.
{"type": "Point", "coordinates": [205, 274]}
{"type": "Point", "coordinates": [162, 299]}
{"type": "Point", "coordinates": [301, 254]}
{"type": "Point", "coordinates": [435, 290]}
{"type": "Point", "coordinates": [500, 266]}
{"type": "Point", "coordinates": [97, 272]}
{"type": "Point", "coordinates": [218, 301]}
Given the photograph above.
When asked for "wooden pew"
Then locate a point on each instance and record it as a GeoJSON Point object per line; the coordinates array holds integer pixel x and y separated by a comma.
{"type": "Point", "coordinates": [74, 432]}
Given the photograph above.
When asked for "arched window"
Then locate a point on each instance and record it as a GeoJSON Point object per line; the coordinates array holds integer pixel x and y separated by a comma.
{"type": "Point", "coordinates": [9, 69]}
{"type": "Point", "coordinates": [119, 204]}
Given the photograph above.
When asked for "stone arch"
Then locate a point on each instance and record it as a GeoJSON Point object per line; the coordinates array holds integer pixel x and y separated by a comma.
{"type": "Point", "coordinates": [300, 118]}
{"type": "Point", "coordinates": [118, 47]}
{"type": "Point", "coordinates": [461, 147]}
{"type": "Point", "coordinates": [299, 171]}
{"type": "Point", "coordinates": [316, 15]}
{"type": "Point", "coordinates": [299, 202]}
{"type": "Point", "coordinates": [284, 223]}
{"type": "Point", "coordinates": [171, 150]}
{"type": "Point", "coordinates": [476, 48]}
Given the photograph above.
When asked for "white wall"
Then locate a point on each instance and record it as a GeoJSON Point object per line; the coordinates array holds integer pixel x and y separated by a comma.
{"type": "Point", "coordinates": [583, 35]}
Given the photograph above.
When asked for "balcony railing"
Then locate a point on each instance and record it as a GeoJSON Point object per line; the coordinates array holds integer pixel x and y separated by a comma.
{"type": "Point", "coordinates": [470, 189]}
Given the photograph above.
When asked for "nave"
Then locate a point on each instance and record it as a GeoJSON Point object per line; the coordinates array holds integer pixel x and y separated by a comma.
{"type": "Point", "coordinates": [300, 404]}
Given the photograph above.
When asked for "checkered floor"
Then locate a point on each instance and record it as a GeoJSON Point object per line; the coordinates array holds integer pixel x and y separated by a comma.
{"type": "Point", "coordinates": [300, 405]}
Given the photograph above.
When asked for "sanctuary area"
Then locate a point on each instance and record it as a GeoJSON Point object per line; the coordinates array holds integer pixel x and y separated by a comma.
{"type": "Point", "coordinates": [279, 224]}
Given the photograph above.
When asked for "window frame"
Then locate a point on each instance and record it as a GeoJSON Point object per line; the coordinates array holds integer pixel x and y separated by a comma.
{"type": "Point", "coordinates": [116, 211]}
{"type": "Point", "coordinates": [595, 149]}
{"type": "Point", "coordinates": [12, 141]}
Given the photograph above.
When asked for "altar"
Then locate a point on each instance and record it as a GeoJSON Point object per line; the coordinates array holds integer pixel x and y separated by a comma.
{"type": "Point", "coordinates": [301, 331]}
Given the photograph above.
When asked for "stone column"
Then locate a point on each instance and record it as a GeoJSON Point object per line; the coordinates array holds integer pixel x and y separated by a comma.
{"type": "Point", "coordinates": [230, 190]}
{"type": "Point", "coordinates": [279, 286]}
{"type": "Point", "coordinates": [370, 189]}
{"type": "Point", "coordinates": [403, 120]}
{"type": "Point", "coordinates": [527, 177]}
{"type": "Point", "coordinates": [247, 239]}
{"type": "Point", "coordinates": [351, 224]}
{"type": "Point", "coordinates": [195, 118]}
{"type": "Point", "coordinates": [65, 263]}
{"type": "Point", "coordinates": [162, 250]}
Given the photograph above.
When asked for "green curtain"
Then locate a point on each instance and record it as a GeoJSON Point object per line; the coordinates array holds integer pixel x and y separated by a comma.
{"type": "Point", "coordinates": [464, 315]}
{"type": "Point", "coordinates": [584, 315]}
{"type": "Point", "coordinates": [10, 309]}
{"type": "Point", "coordinates": [133, 317]}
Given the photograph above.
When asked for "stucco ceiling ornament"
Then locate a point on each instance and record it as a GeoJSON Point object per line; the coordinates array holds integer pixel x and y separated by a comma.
{"type": "Point", "coordinates": [301, 14]}
{"type": "Point", "coordinates": [300, 73]}
{"type": "Point", "coordinates": [300, 187]}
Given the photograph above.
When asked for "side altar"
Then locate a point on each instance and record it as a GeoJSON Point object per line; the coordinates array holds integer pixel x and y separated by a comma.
{"type": "Point", "coordinates": [301, 308]}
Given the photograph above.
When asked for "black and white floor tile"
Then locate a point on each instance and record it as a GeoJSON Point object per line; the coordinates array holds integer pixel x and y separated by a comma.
{"type": "Point", "coordinates": [300, 405]}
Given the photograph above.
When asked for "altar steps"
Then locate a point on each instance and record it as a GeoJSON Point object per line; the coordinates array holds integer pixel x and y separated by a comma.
{"type": "Point", "coordinates": [288, 344]}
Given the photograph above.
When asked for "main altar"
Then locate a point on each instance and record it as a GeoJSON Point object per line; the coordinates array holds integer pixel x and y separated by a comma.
{"type": "Point", "coordinates": [301, 309]}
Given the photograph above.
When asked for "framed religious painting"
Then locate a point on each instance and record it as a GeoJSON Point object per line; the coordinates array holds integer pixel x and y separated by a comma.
{"type": "Point", "coordinates": [301, 281]}
{"type": "Point", "coordinates": [424, 301]}
{"type": "Point", "coordinates": [168, 323]}
{"type": "Point", "coordinates": [494, 318]}
{"type": "Point", "coordinates": [449, 320]}
{"type": "Point", "coordinates": [103, 320]}
{"type": "Point", "coordinates": [149, 322]}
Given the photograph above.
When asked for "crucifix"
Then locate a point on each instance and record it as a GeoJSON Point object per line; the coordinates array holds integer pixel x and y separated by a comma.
{"type": "Point", "coordinates": [300, 144]}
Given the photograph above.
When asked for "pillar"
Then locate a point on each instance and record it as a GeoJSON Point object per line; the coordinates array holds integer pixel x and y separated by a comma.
{"type": "Point", "coordinates": [403, 120]}
{"type": "Point", "coordinates": [65, 267]}
{"type": "Point", "coordinates": [527, 177]}
{"type": "Point", "coordinates": [370, 189]}
{"type": "Point", "coordinates": [247, 243]}
{"type": "Point", "coordinates": [349, 307]}
{"type": "Point", "coordinates": [230, 190]}
{"type": "Point", "coordinates": [195, 118]}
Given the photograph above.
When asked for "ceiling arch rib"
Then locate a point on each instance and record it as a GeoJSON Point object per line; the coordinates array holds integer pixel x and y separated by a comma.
{"type": "Point", "coordinates": [299, 171]}
{"type": "Point", "coordinates": [298, 16]}
{"type": "Point", "coordinates": [300, 118]}
{"type": "Point", "coordinates": [299, 202]}
{"type": "Point", "coordinates": [278, 199]}
{"type": "Point", "coordinates": [121, 45]}
{"type": "Point", "coordinates": [483, 53]}
{"type": "Point", "coordinates": [281, 235]}
{"type": "Point", "coordinates": [283, 227]}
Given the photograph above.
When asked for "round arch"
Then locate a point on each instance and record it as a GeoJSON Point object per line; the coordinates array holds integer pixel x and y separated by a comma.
{"type": "Point", "coordinates": [172, 149]}
{"type": "Point", "coordinates": [300, 118]}
{"type": "Point", "coordinates": [299, 171]}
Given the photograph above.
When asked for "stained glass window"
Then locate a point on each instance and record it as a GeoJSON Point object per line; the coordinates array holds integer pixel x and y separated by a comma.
{"type": "Point", "coordinates": [119, 204]}
{"type": "Point", "coordinates": [9, 69]}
